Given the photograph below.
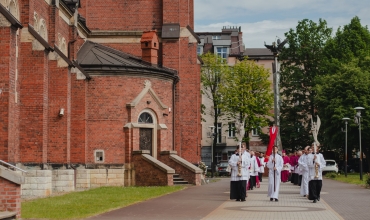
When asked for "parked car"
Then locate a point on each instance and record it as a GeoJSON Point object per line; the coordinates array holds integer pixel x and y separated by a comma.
{"type": "Point", "coordinates": [221, 168]}
{"type": "Point", "coordinates": [331, 166]}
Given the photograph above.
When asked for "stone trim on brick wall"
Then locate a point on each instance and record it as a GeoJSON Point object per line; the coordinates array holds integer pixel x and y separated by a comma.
{"type": "Point", "coordinates": [147, 89]}
{"type": "Point", "coordinates": [11, 176]}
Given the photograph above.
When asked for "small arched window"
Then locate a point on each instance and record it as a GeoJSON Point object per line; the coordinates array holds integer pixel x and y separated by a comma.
{"type": "Point", "coordinates": [145, 118]}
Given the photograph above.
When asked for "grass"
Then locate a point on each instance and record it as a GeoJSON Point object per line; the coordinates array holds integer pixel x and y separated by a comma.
{"type": "Point", "coordinates": [77, 205]}
{"type": "Point", "coordinates": [352, 178]}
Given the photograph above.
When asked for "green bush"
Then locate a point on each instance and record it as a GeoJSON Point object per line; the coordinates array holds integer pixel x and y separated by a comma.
{"type": "Point", "coordinates": [331, 175]}
{"type": "Point", "coordinates": [368, 180]}
{"type": "Point", "coordinates": [215, 174]}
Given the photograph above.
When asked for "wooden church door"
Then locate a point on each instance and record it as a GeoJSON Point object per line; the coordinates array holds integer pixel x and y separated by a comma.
{"type": "Point", "coordinates": [146, 142]}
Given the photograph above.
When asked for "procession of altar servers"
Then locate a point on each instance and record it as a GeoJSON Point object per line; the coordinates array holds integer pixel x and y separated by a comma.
{"type": "Point", "coordinates": [303, 167]}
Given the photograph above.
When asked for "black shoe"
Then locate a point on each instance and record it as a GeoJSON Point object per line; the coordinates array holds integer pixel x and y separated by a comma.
{"type": "Point", "coordinates": [276, 200]}
{"type": "Point", "coordinates": [271, 199]}
{"type": "Point", "coordinates": [318, 199]}
{"type": "Point", "coordinates": [237, 200]}
{"type": "Point", "coordinates": [243, 200]}
{"type": "Point", "coordinates": [314, 201]}
{"type": "Point", "coordinates": [304, 196]}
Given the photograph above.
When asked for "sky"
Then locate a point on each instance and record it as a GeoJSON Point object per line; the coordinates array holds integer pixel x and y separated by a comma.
{"type": "Point", "coordinates": [266, 20]}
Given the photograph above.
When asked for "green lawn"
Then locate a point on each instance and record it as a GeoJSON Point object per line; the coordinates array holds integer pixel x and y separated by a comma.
{"type": "Point", "coordinates": [352, 178]}
{"type": "Point", "coordinates": [77, 205]}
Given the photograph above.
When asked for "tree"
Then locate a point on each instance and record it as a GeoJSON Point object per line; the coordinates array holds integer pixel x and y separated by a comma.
{"type": "Point", "coordinates": [300, 65]}
{"type": "Point", "coordinates": [347, 62]}
{"type": "Point", "coordinates": [351, 41]}
{"type": "Point", "coordinates": [337, 95]}
{"type": "Point", "coordinates": [213, 69]}
{"type": "Point", "coordinates": [246, 95]}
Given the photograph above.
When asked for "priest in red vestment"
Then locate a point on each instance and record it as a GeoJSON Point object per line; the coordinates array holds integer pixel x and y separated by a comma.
{"type": "Point", "coordinates": [286, 168]}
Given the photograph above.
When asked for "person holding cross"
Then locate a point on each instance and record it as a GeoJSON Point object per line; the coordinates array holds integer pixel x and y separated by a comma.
{"type": "Point", "coordinates": [275, 165]}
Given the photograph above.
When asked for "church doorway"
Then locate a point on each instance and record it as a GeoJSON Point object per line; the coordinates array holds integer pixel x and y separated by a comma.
{"type": "Point", "coordinates": [146, 135]}
{"type": "Point", "coordinates": [146, 132]}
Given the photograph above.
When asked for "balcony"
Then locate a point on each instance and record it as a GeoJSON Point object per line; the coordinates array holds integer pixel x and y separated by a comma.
{"type": "Point", "coordinates": [221, 141]}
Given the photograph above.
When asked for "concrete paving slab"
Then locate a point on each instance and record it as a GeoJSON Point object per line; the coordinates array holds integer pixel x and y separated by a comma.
{"type": "Point", "coordinates": [211, 202]}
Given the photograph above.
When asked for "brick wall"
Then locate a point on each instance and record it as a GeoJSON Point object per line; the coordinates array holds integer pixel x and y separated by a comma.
{"type": "Point", "coordinates": [58, 126]}
{"type": "Point", "coordinates": [95, 110]}
{"type": "Point", "coordinates": [10, 196]}
{"type": "Point", "coordinates": [149, 174]}
{"type": "Point", "coordinates": [78, 120]}
{"type": "Point", "coordinates": [188, 98]}
{"type": "Point", "coordinates": [33, 95]}
{"type": "Point", "coordinates": [107, 97]}
{"type": "Point", "coordinates": [139, 15]}
{"type": "Point", "coordinates": [5, 39]}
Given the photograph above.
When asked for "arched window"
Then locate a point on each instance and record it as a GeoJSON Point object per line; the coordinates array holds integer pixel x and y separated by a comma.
{"type": "Point", "coordinates": [145, 118]}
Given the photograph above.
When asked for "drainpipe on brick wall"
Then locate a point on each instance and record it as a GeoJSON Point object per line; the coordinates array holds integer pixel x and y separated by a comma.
{"type": "Point", "coordinates": [175, 81]}
{"type": "Point", "coordinates": [69, 48]}
{"type": "Point", "coordinates": [180, 153]}
{"type": "Point", "coordinates": [173, 114]}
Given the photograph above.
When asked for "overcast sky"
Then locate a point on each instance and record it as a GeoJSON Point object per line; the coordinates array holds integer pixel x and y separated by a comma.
{"type": "Point", "coordinates": [268, 19]}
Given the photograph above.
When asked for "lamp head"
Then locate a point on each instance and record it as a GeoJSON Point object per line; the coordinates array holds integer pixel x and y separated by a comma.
{"type": "Point", "coordinates": [358, 109]}
{"type": "Point", "coordinates": [61, 112]}
{"type": "Point", "coordinates": [345, 119]}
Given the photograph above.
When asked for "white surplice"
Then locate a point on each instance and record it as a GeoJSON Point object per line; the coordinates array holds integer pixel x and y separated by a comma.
{"type": "Point", "coordinates": [253, 169]}
{"type": "Point", "coordinates": [234, 166]}
{"type": "Point", "coordinates": [279, 166]}
{"type": "Point", "coordinates": [311, 166]}
{"type": "Point", "coordinates": [303, 166]}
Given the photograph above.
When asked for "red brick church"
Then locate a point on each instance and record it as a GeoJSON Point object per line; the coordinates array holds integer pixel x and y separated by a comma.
{"type": "Point", "coordinates": [96, 93]}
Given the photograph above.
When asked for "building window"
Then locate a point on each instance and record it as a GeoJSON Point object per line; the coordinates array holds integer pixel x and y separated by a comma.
{"type": "Point", "coordinates": [99, 156]}
{"type": "Point", "coordinates": [216, 37]}
{"type": "Point", "coordinates": [218, 111]}
{"type": "Point", "coordinates": [219, 132]}
{"type": "Point", "coordinates": [218, 157]}
{"type": "Point", "coordinates": [145, 118]}
{"type": "Point", "coordinates": [222, 52]}
{"type": "Point", "coordinates": [199, 50]}
{"type": "Point", "coordinates": [255, 132]}
{"type": "Point", "coordinates": [231, 129]}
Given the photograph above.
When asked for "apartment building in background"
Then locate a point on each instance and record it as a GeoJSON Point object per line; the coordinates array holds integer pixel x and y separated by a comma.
{"type": "Point", "coordinates": [229, 45]}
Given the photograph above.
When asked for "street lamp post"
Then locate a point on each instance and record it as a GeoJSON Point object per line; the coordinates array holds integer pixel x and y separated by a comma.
{"type": "Point", "coordinates": [358, 121]}
{"type": "Point", "coordinates": [345, 151]}
{"type": "Point", "coordinates": [212, 137]}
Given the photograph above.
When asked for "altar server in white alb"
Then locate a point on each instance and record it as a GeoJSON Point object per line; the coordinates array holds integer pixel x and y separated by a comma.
{"type": "Point", "coordinates": [316, 163]}
{"type": "Point", "coordinates": [238, 183]}
{"type": "Point", "coordinates": [275, 165]}
{"type": "Point", "coordinates": [302, 163]}
{"type": "Point", "coordinates": [253, 171]}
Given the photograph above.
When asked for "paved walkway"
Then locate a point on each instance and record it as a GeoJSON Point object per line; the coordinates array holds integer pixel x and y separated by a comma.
{"type": "Point", "coordinates": [211, 202]}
